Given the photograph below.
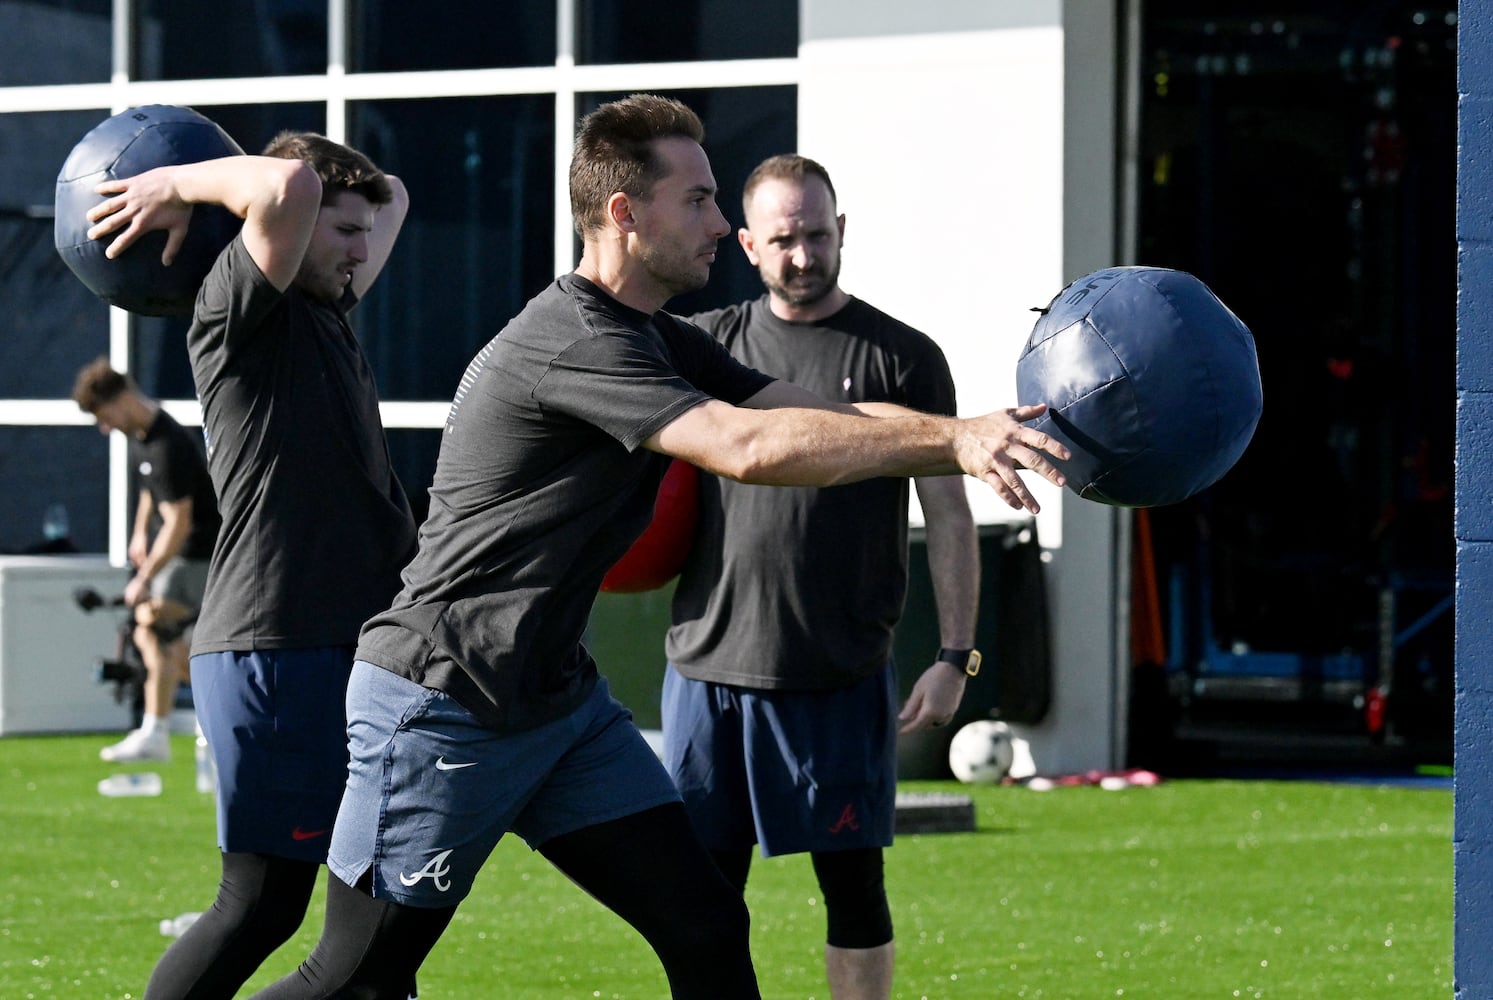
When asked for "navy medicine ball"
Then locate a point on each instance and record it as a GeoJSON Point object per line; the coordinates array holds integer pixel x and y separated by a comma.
{"type": "Point", "coordinates": [1150, 381]}
{"type": "Point", "coordinates": [130, 143]}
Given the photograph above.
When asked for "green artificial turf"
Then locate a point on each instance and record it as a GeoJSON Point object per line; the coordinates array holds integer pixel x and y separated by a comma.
{"type": "Point", "coordinates": [1193, 889]}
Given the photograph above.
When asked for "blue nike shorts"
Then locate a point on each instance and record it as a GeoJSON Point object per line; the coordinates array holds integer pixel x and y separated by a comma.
{"type": "Point", "coordinates": [793, 771]}
{"type": "Point", "coordinates": [274, 720]}
{"type": "Point", "coordinates": [430, 790]}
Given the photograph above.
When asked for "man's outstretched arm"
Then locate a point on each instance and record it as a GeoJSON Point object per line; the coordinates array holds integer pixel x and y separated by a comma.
{"type": "Point", "coordinates": [787, 436]}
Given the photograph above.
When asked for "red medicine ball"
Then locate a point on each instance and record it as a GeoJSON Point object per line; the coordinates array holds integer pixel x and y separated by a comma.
{"type": "Point", "coordinates": [659, 553]}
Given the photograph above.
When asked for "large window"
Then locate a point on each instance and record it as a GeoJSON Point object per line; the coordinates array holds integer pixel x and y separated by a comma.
{"type": "Point", "coordinates": [473, 104]}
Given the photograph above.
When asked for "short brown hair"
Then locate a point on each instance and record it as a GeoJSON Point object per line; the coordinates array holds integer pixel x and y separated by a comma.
{"type": "Point", "coordinates": [785, 167]}
{"type": "Point", "coordinates": [98, 383]}
{"type": "Point", "coordinates": [341, 168]}
{"type": "Point", "coordinates": [614, 151]}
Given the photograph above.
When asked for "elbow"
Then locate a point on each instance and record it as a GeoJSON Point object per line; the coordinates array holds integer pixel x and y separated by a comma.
{"type": "Point", "coordinates": [738, 467]}
{"type": "Point", "coordinates": [760, 463]}
{"type": "Point", "coordinates": [289, 195]}
{"type": "Point", "coordinates": [287, 188]}
{"type": "Point", "coordinates": [741, 458]}
{"type": "Point", "coordinates": [399, 197]}
{"type": "Point", "coordinates": [298, 185]}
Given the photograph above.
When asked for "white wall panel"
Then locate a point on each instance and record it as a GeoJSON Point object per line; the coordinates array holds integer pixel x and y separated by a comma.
{"type": "Point", "coordinates": [946, 151]}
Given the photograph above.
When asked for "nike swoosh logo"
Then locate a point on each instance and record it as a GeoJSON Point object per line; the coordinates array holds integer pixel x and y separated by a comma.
{"type": "Point", "coordinates": [442, 765]}
{"type": "Point", "coordinates": [299, 834]}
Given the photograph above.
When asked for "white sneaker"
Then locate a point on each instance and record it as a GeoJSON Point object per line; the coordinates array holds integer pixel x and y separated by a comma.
{"type": "Point", "coordinates": [139, 746]}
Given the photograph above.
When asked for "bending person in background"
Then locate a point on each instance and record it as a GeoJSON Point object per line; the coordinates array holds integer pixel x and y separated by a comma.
{"type": "Point", "coordinates": [170, 565]}
{"type": "Point", "coordinates": [315, 524]}
{"type": "Point", "coordinates": [780, 652]}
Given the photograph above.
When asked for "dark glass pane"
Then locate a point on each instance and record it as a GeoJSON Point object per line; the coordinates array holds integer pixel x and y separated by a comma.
{"type": "Point", "coordinates": [395, 36]}
{"type": "Point", "coordinates": [479, 239]}
{"type": "Point", "coordinates": [414, 453]}
{"type": "Point", "coordinates": [54, 465]}
{"type": "Point", "coordinates": [50, 323]}
{"type": "Point", "coordinates": [624, 31]}
{"type": "Point", "coordinates": [743, 127]}
{"type": "Point", "coordinates": [160, 356]}
{"type": "Point", "coordinates": [55, 41]}
{"type": "Point", "coordinates": [230, 38]}
{"type": "Point", "coordinates": [254, 125]}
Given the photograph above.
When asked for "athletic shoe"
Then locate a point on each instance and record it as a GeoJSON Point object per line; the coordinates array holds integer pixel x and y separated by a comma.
{"type": "Point", "coordinates": [139, 746]}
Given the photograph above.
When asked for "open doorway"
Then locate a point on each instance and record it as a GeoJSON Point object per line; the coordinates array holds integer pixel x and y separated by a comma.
{"type": "Point", "coordinates": [1299, 157]}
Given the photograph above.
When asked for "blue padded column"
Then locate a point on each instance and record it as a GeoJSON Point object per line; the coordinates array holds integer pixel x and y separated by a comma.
{"type": "Point", "coordinates": [1474, 527]}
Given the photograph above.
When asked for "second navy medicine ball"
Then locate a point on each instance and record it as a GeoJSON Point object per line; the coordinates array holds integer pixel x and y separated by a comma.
{"type": "Point", "coordinates": [1150, 381]}
{"type": "Point", "coordinates": [130, 143]}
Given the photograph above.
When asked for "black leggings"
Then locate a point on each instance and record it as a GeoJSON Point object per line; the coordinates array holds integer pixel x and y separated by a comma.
{"type": "Point", "coordinates": [261, 901]}
{"type": "Point", "coordinates": [648, 868]}
{"type": "Point", "coordinates": [853, 886]}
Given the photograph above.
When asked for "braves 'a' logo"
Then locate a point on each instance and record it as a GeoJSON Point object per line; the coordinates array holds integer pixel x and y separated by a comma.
{"type": "Point", "coordinates": [847, 820]}
{"type": "Point", "coordinates": [435, 869]}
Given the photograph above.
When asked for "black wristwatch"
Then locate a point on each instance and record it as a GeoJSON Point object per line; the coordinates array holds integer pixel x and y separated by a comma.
{"type": "Point", "coordinates": [967, 660]}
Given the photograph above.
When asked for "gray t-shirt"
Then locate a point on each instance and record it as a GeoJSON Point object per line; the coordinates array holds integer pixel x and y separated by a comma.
{"type": "Point", "coordinates": [540, 486]}
{"type": "Point", "coordinates": [315, 524]}
{"type": "Point", "coordinates": [799, 588]}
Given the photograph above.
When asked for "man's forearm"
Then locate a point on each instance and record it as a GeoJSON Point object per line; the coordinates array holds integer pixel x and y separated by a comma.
{"type": "Point", "coordinates": [794, 447]}
{"type": "Point", "coordinates": [168, 543]}
{"type": "Point", "coordinates": [953, 559]}
{"type": "Point", "coordinates": [784, 436]}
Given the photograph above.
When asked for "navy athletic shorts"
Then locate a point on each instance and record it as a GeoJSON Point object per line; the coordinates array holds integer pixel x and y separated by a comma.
{"type": "Point", "coordinates": [274, 720]}
{"type": "Point", "coordinates": [793, 771]}
{"type": "Point", "coordinates": [430, 790]}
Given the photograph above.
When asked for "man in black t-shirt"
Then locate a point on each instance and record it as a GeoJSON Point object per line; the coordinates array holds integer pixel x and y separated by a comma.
{"type": "Point", "coordinates": [170, 567]}
{"type": "Point", "coordinates": [475, 709]}
{"type": "Point", "coordinates": [315, 524]}
{"type": "Point", "coordinates": [780, 651]}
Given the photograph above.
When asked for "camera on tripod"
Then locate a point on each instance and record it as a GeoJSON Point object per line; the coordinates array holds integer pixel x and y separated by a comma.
{"type": "Point", "coordinates": [125, 669]}
{"type": "Point", "coordinates": [120, 672]}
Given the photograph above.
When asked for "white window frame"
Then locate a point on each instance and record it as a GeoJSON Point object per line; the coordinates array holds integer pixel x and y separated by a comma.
{"type": "Point", "coordinates": [335, 89]}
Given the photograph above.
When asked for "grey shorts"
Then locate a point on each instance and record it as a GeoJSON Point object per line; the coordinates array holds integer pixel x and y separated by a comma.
{"type": "Point", "coordinates": [430, 790]}
{"type": "Point", "coordinates": [181, 580]}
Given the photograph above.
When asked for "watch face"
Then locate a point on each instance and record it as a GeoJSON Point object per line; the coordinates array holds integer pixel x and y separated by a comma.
{"type": "Point", "coordinates": [967, 660]}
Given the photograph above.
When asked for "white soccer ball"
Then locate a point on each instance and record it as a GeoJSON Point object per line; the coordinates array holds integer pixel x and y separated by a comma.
{"type": "Point", "coordinates": [981, 752]}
